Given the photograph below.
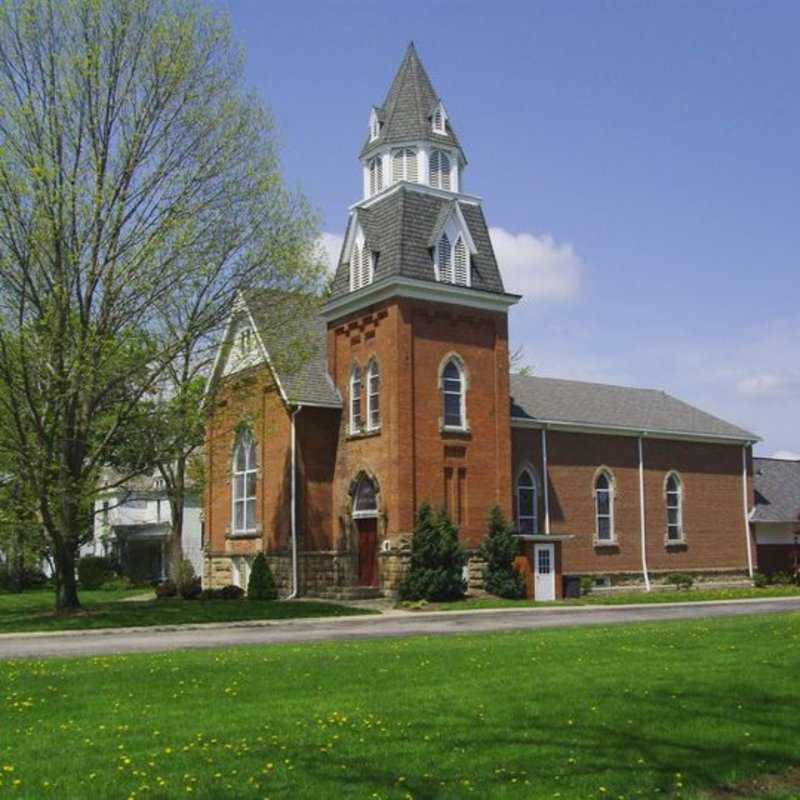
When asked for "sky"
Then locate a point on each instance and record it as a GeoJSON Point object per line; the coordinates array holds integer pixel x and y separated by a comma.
{"type": "Point", "coordinates": [639, 165]}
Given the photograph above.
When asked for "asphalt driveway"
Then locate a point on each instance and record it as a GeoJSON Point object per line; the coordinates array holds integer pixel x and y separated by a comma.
{"type": "Point", "coordinates": [142, 640]}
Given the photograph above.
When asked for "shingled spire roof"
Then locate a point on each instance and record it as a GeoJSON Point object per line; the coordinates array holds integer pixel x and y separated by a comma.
{"type": "Point", "coordinates": [407, 111]}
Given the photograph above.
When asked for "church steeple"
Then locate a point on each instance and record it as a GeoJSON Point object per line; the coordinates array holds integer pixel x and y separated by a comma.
{"type": "Point", "coordinates": [410, 137]}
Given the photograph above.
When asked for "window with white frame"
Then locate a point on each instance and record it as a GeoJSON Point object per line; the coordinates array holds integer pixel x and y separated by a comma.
{"type": "Point", "coordinates": [375, 174]}
{"type": "Point", "coordinates": [526, 502]}
{"type": "Point", "coordinates": [604, 507]}
{"type": "Point", "coordinates": [404, 165]}
{"type": "Point", "coordinates": [453, 395]}
{"type": "Point", "coordinates": [440, 170]}
{"type": "Point", "coordinates": [245, 482]}
{"type": "Point", "coordinates": [373, 396]}
{"type": "Point", "coordinates": [355, 399]}
{"type": "Point", "coordinates": [674, 492]}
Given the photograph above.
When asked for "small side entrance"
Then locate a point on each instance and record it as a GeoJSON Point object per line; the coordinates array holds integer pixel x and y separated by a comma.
{"type": "Point", "coordinates": [367, 551]}
{"type": "Point", "coordinates": [544, 572]}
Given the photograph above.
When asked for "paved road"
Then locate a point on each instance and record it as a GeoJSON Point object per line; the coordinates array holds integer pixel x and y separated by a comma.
{"type": "Point", "coordinates": [92, 643]}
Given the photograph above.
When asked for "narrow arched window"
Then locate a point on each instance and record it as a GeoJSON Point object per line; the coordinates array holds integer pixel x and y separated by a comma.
{"type": "Point", "coordinates": [365, 498]}
{"type": "Point", "coordinates": [460, 263]}
{"type": "Point", "coordinates": [674, 493]}
{"type": "Point", "coordinates": [526, 502]}
{"type": "Point", "coordinates": [404, 165]}
{"type": "Point", "coordinates": [604, 507]}
{"type": "Point", "coordinates": [444, 260]}
{"type": "Point", "coordinates": [373, 396]}
{"type": "Point", "coordinates": [453, 395]}
{"type": "Point", "coordinates": [355, 399]}
{"type": "Point", "coordinates": [440, 170]}
{"type": "Point", "coordinates": [375, 174]}
{"type": "Point", "coordinates": [245, 482]}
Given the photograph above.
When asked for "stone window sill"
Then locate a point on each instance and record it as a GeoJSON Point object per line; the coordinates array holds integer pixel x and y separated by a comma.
{"type": "Point", "coordinates": [601, 543]}
{"type": "Point", "coordinates": [366, 433]}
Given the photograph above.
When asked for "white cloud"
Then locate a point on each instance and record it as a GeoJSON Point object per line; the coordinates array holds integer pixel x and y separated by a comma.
{"type": "Point", "coordinates": [765, 385]}
{"type": "Point", "coordinates": [537, 266]}
{"type": "Point", "coordinates": [786, 455]}
{"type": "Point", "coordinates": [331, 246]}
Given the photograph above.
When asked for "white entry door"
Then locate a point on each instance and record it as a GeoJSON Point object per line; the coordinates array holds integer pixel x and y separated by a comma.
{"type": "Point", "coordinates": [544, 572]}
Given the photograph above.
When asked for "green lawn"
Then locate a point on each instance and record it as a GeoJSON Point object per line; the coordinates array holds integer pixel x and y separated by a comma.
{"type": "Point", "coordinates": [641, 711]}
{"type": "Point", "coordinates": [33, 611]}
{"type": "Point", "coordinates": [695, 595]}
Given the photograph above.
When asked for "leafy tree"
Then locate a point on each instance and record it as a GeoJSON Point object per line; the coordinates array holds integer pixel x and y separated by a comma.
{"type": "Point", "coordinates": [437, 559]}
{"type": "Point", "coordinates": [498, 550]}
{"type": "Point", "coordinates": [261, 585]}
{"type": "Point", "coordinates": [139, 192]}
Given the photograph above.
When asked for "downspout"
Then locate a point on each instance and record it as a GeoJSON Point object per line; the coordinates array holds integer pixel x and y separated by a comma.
{"type": "Point", "coordinates": [746, 513]}
{"type": "Point", "coordinates": [641, 516]}
{"type": "Point", "coordinates": [545, 483]}
{"type": "Point", "coordinates": [293, 510]}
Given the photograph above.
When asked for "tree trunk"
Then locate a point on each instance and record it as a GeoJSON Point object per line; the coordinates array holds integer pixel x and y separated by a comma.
{"type": "Point", "coordinates": [66, 584]}
{"type": "Point", "coordinates": [175, 545]}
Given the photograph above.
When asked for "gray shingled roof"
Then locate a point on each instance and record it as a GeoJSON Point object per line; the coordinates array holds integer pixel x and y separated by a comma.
{"type": "Point", "coordinates": [408, 108]}
{"type": "Point", "coordinates": [777, 485]}
{"type": "Point", "coordinates": [398, 228]}
{"type": "Point", "coordinates": [576, 402]}
{"type": "Point", "coordinates": [296, 339]}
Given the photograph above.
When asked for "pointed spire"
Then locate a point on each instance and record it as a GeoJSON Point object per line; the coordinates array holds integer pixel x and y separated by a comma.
{"type": "Point", "coordinates": [409, 105]}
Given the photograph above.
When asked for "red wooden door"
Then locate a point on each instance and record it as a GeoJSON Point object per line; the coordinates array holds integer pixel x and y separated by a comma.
{"type": "Point", "coordinates": [368, 552]}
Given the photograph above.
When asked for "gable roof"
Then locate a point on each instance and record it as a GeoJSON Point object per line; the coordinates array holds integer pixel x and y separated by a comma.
{"type": "Point", "coordinates": [407, 111]}
{"type": "Point", "coordinates": [777, 487]}
{"type": "Point", "coordinates": [539, 400]}
{"type": "Point", "coordinates": [399, 227]}
{"type": "Point", "coordinates": [294, 338]}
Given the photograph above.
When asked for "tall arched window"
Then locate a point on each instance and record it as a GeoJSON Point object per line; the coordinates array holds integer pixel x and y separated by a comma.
{"type": "Point", "coordinates": [453, 395]}
{"type": "Point", "coordinates": [373, 396]}
{"type": "Point", "coordinates": [444, 259]}
{"type": "Point", "coordinates": [245, 482]}
{"type": "Point", "coordinates": [355, 399]}
{"type": "Point", "coordinates": [604, 507]}
{"type": "Point", "coordinates": [404, 165]}
{"type": "Point", "coordinates": [526, 502]}
{"type": "Point", "coordinates": [674, 492]}
{"type": "Point", "coordinates": [460, 263]}
{"type": "Point", "coordinates": [440, 170]}
{"type": "Point", "coordinates": [375, 174]}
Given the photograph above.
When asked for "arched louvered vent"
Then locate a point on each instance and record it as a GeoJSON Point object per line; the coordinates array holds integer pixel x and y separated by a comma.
{"type": "Point", "coordinates": [355, 268]}
{"type": "Point", "coordinates": [445, 260]}
{"type": "Point", "coordinates": [404, 165]}
{"type": "Point", "coordinates": [375, 175]}
{"type": "Point", "coordinates": [440, 170]}
{"type": "Point", "coordinates": [460, 263]}
{"type": "Point", "coordinates": [366, 266]}
{"type": "Point", "coordinates": [438, 121]}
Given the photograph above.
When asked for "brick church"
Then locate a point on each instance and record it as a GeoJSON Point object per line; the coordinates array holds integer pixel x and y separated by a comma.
{"type": "Point", "coordinates": [405, 395]}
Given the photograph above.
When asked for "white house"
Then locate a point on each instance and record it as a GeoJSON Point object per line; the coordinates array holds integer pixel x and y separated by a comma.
{"type": "Point", "coordinates": [133, 522]}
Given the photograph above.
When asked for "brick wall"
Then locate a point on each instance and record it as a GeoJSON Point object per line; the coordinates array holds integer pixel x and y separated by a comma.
{"type": "Point", "coordinates": [713, 516]}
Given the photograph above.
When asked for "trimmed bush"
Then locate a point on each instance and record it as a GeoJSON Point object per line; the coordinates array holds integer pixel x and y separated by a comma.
{"type": "Point", "coordinates": [261, 585]}
{"type": "Point", "coordinates": [94, 571]}
{"type": "Point", "coordinates": [587, 585]}
{"type": "Point", "coordinates": [18, 580]}
{"type": "Point", "coordinates": [681, 580]}
{"type": "Point", "coordinates": [229, 592]}
{"type": "Point", "coordinates": [760, 580]}
{"type": "Point", "coordinates": [188, 584]}
{"type": "Point", "coordinates": [498, 550]}
{"type": "Point", "coordinates": [437, 559]}
{"type": "Point", "coordinates": [166, 589]}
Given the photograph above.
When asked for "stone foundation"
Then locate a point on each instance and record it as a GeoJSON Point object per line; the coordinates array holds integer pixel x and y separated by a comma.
{"type": "Point", "coordinates": [703, 579]}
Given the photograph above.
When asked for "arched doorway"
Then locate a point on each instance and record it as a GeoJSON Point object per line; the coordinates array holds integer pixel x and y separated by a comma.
{"type": "Point", "coordinates": [365, 518]}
